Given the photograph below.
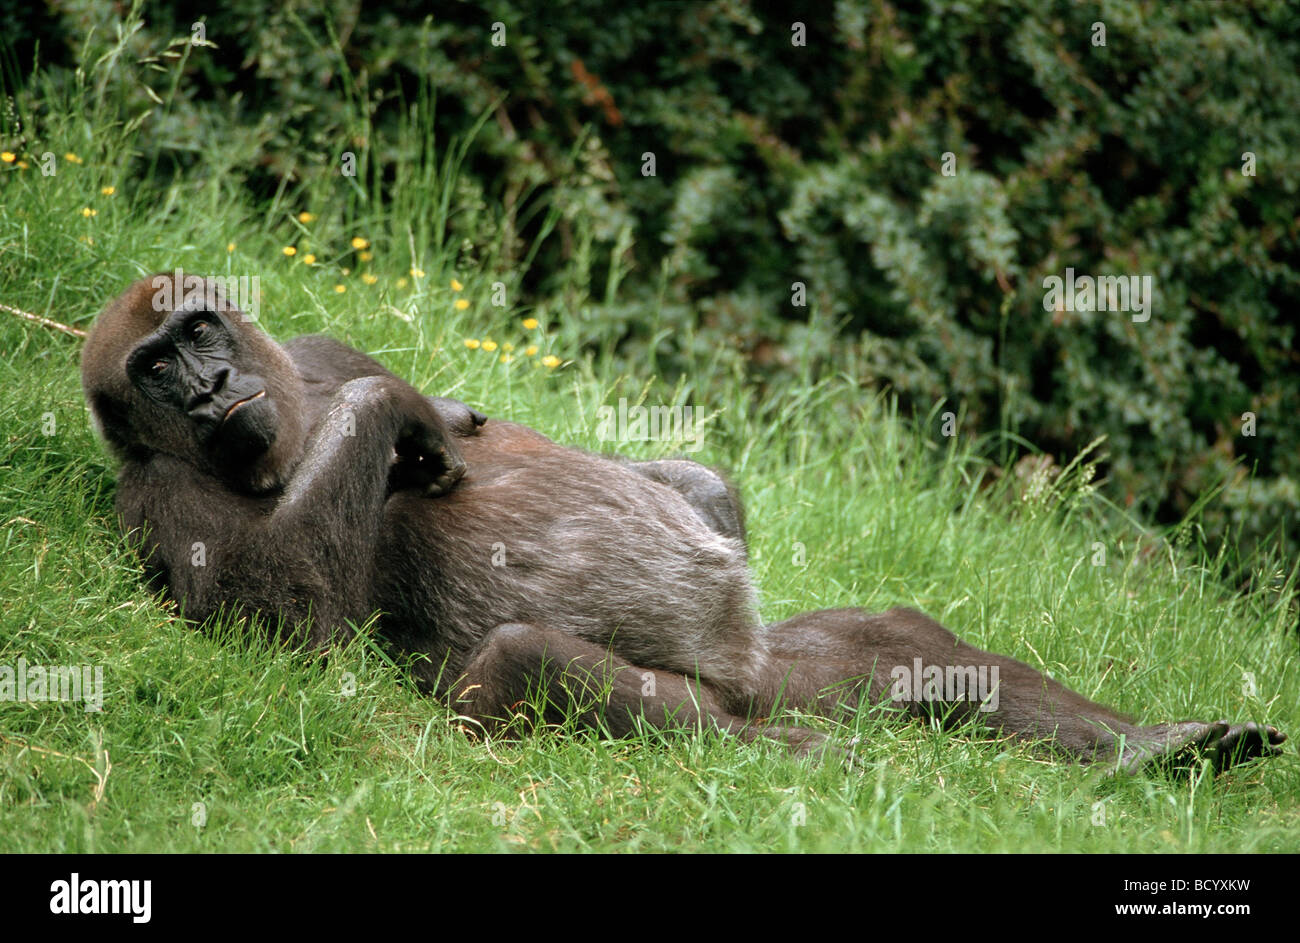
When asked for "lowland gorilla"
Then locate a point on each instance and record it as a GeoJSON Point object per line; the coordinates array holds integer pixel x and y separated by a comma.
{"type": "Point", "coordinates": [309, 484]}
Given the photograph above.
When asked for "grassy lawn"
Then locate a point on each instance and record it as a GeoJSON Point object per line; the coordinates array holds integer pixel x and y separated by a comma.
{"type": "Point", "coordinates": [209, 742]}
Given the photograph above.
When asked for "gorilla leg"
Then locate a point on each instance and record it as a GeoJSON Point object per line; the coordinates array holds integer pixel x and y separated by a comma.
{"type": "Point", "coordinates": [574, 678]}
{"type": "Point", "coordinates": [460, 419]}
{"type": "Point", "coordinates": [709, 494]}
{"type": "Point", "coordinates": [823, 661]}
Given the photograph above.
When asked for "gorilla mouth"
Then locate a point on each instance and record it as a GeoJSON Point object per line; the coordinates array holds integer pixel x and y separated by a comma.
{"type": "Point", "coordinates": [247, 399]}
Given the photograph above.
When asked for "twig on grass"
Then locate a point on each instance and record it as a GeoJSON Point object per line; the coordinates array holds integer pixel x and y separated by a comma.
{"type": "Point", "coordinates": [44, 322]}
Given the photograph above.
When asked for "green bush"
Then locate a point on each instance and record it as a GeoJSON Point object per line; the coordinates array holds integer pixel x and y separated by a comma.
{"type": "Point", "coordinates": [820, 164]}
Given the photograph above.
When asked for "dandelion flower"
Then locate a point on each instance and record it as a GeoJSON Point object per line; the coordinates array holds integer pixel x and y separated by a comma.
{"type": "Point", "coordinates": [489, 346]}
{"type": "Point", "coordinates": [359, 243]}
{"type": "Point", "coordinates": [417, 272]}
{"type": "Point", "coordinates": [340, 288]}
{"type": "Point", "coordinates": [72, 158]}
{"type": "Point", "coordinates": [22, 165]}
{"type": "Point", "coordinates": [305, 217]}
{"type": "Point", "coordinates": [401, 283]}
{"type": "Point", "coordinates": [506, 358]}
{"type": "Point", "coordinates": [551, 360]}
{"type": "Point", "coordinates": [309, 259]}
{"type": "Point", "coordinates": [108, 191]}
{"type": "Point", "coordinates": [456, 286]}
{"type": "Point", "coordinates": [230, 247]}
{"type": "Point", "coordinates": [530, 323]}
{"type": "Point", "coordinates": [461, 304]}
{"type": "Point", "coordinates": [369, 279]}
{"type": "Point", "coordinates": [366, 256]}
{"type": "Point", "coordinates": [8, 156]}
{"type": "Point", "coordinates": [87, 212]}
{"type": "Point", "coordinates": [471, 343]}
{"type": "Point", "coordinates": [290, 250]}
{"type": "Point", "coordinates": [531, 350]}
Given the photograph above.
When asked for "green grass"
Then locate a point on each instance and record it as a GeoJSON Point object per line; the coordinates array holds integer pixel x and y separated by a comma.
{"type": "Point", "coordinates": [211, 741]}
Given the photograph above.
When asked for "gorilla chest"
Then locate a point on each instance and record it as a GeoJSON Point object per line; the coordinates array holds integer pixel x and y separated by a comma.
{"type": "Point", "coordinates": [628, 567]}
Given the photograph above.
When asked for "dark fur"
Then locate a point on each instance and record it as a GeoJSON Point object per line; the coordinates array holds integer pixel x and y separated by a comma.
{"type": "Point", "coordinates": [542, 565]}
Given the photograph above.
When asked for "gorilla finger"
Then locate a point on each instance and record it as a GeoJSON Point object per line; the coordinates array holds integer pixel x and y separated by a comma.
{"type": "Point", "coordinates": [440, 485]}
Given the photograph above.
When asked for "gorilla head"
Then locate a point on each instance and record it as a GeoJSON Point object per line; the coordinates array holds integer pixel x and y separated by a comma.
{"type": "Point", "coordinates": [172, 367]}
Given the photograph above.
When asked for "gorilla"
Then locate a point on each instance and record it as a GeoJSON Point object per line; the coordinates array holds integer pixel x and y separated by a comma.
{"type": "Point", "coordinates": [309, 485]}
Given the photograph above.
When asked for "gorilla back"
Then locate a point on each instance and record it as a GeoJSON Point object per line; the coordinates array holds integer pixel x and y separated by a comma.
{"type": "Point", "coordinates": [310, 485]}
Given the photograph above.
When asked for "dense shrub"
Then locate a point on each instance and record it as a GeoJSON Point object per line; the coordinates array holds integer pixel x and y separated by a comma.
{"type": "Point", "coordinates": [821, 164]}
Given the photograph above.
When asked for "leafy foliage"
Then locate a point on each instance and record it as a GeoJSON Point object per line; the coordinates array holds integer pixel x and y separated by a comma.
{"type": "Point", "coordinates": [820, 164]}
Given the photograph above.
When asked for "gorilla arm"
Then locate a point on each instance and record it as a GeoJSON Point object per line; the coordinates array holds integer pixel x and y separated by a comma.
{"type": "Point", "coordinates": [301, 555]}
{"type": "Point", "coordinates": [325, 364]}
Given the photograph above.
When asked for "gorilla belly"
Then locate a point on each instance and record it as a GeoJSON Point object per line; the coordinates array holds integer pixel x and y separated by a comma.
{"type": "Point", "coordinates": [572, 542]}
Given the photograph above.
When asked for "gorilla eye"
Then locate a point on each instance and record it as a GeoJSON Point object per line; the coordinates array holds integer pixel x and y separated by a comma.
{"type": "Point", "coordinates": [199, 328]}
{"type": "Point", "coordinates": [157, 367]}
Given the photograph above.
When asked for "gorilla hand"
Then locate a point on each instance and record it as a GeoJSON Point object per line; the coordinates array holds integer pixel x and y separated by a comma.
{"type": "Point", "coordinates": [426, 455]}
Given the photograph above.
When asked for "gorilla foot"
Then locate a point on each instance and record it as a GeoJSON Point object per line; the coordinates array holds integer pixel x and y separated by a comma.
{"type": "Point", "coordinates": [1245, 742]}
{"type": "Point", "coordinates": [1168, 745]}
{"type": "Point", "coordinates": [1183, 745]}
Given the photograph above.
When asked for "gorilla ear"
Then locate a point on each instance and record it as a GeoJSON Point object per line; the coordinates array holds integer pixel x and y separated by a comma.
{"type": "Point", "coordinates": [109, 419]}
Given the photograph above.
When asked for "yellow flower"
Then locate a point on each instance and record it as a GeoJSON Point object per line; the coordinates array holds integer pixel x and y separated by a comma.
{"type": "Point", "coordinates": [108, 191]}
{"type": "Point", "coordinates": [309, 259]}
{"type": "Point", "coordinates": [461, 304]}
{"type": "Point", "coordinates": [290, 250]}
{"type": "Point", "coordinates": [369, 279]}
{"type": "Point", "coordinates": [346, 272]}
{"type": "Point", "coordinates": [340, 288]}
{"type": "Point", "coordinates": [471, 343]}
{"type": "Point", "coordinates": [230, 247]}
{"type": "Point", "coordinates": [87, 212]}
{"type": "Point", "coordinates": [489, 346]}
{"type": "Point", "coordinates": [551, 360]}
{"type": "Point", "coordinates": [530, 323]}
{"type": "Point", "coordinates": [531, 350]}
{"type": "Point", "coordinates": [8, 156]}
{"type": "Point", "coordinates": [72, 158]}
{"type": "Point", "coordinates": [456, 286]}
{"type": "Point", "coordinates": [507, 347]}
{"type": "Point", "coordinates": [305, 217]}
{"type": "Point", "coordinates": [506, 358]}
{"type": "Point", "coordinates": [417, 272]}
{"type": "Point", "coordinates": [401, 283]}
{"type": "Point", "coordinates": [366, 256]}
{"type": "Point", "coordinates": [359, 243]}
{"type": "Point", "coordinates": [22, 165]}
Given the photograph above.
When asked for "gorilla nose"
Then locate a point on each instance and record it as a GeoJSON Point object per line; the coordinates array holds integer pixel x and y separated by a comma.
{"type": "Point", "coordinates": [208, 387]}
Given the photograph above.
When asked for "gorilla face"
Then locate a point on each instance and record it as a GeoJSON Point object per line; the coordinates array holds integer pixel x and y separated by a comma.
{"type": "Point", "coordinates": [192, 364]}
{"type": "Point", "coordinates": [196, 381]}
